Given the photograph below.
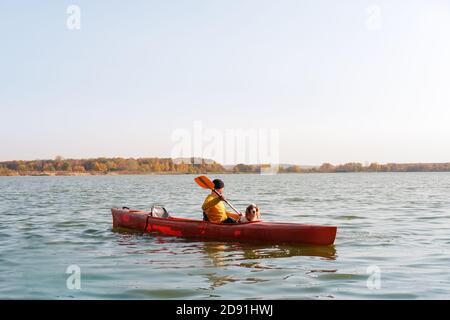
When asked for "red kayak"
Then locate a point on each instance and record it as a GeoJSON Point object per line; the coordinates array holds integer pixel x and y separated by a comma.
{"type": "Point", "coordinates": [258, 231]}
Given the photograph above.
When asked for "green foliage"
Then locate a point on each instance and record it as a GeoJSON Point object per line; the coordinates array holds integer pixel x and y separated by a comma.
{"type": "Point", "coordinates": [66, 166]}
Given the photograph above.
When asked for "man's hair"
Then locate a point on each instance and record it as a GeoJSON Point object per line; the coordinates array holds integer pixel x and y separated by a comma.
{"type": "Point", "coordinates": [218, 184]}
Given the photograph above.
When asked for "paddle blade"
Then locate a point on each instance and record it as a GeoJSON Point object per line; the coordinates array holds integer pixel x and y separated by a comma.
{"type": "Point", "coordinates": [204, 182]}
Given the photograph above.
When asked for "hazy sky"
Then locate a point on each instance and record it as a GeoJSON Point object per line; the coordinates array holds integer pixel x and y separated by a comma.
{"type": "Point", "coordinates": [341, 80]}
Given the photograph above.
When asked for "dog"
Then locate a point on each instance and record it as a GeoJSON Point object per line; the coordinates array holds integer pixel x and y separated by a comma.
{"type": "Point", "coordinates": [252, 213]}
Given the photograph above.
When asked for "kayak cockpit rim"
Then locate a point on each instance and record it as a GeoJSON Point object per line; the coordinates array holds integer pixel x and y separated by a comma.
{"type": "Point", "coordinates": [175, 219]}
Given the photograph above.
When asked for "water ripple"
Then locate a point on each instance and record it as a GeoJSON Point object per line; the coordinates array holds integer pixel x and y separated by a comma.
{"type": "Point", "coordinates": [398, 223]}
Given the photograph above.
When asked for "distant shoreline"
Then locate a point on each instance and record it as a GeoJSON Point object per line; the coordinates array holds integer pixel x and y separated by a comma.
{"type": "Point", "coordinates": [100, 174]}
{"type": "Point", "coordinates": [168, 166]}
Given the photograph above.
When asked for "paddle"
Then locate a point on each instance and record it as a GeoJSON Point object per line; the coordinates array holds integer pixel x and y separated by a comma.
{"type": "Point", "coordinates": [206, 183]}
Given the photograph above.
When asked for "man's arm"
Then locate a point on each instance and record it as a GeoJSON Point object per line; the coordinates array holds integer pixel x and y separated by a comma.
{"type": "Point", "coordinates": [233, 215]}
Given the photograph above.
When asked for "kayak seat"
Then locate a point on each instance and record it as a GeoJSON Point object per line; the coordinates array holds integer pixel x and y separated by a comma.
{"type": "Point", "coordinates": [159, 212]}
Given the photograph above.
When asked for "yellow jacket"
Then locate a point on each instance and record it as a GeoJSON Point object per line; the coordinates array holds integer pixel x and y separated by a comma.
{"type": "Point", "coordinates": [215, 209]}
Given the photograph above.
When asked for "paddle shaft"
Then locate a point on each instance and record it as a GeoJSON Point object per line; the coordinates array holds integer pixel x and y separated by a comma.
{"type": "Point", "coordinates": [232, 207]}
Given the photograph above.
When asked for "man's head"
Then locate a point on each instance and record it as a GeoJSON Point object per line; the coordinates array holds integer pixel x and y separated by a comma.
{"type": "Point", "coordinates": [218, 185]}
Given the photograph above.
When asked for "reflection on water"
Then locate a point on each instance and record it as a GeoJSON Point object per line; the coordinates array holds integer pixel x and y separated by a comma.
{"type": "Point", "coordinates": [244, 256]}
{"type": "Point", "coordinates": [217, 280]}
{"type": "Point", "coordinates": [222, 253]}
{"type": "Point", "coordinates": [215, 255]}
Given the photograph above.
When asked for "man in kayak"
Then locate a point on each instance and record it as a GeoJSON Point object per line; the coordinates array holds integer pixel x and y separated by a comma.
{"type": "Point", "coordinates": [213, 208]}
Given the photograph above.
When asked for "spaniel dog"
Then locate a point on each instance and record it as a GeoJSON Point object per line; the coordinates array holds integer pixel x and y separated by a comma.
{"type": "Point", "coordinates": [252, 213]}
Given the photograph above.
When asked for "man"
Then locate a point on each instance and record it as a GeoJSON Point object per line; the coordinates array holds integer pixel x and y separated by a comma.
{"type": "Point", "coordinates": [214, 209]}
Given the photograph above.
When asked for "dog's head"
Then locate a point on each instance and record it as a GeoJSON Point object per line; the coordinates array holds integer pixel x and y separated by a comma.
{"type": "Point", "coordinates": [252, 212]}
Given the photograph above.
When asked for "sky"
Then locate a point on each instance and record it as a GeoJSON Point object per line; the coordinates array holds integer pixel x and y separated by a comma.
{"type": "Point", "coordinates": [340, 81]}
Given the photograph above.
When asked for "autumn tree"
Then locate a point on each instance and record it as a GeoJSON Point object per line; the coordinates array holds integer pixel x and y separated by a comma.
{"type": "Point", "coordinates": [327, 167]}
{"type": "Point", "coordinates": [294, 169]}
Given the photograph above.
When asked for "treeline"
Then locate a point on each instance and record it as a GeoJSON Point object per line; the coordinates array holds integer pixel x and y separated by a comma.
{"type": "Point", "coordinates": [350, 167]}
{"type": "Point", "coordinates": [245, 168]}
{"type": "Point", "coordinates": [60, 166]}
{"type": "Point", "coordinates": [389, 167]}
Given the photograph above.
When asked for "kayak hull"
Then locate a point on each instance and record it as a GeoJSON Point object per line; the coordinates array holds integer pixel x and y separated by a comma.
{"type": "Point", "coordinates": [258, 231]}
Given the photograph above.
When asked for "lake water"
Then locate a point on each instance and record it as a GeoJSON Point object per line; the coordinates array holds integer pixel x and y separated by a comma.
{"type": "Point", "coordinates": [393, 238]}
